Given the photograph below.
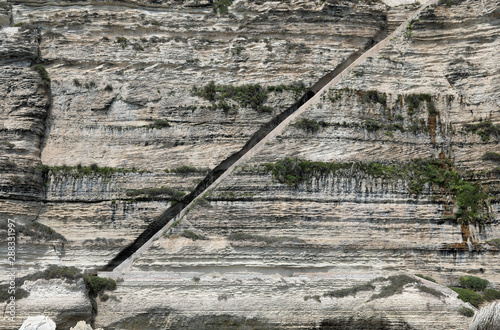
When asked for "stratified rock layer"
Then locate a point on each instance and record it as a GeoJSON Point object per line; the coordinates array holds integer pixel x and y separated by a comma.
{"type": "Point", "coordinates": [126, 91]}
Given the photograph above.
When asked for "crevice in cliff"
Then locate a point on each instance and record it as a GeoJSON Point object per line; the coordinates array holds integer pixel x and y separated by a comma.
{"type": "Point", "coordinates": [47, 87]}
{"type": "Point", "coordinates": [267, 128]}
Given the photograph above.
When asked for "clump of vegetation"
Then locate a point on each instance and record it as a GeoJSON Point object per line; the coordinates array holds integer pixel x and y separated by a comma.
{"type": "Point", "coordinates": [26, 26]}
{"type": "Point", "coordinates": [79, 171]}
{"type": "Point", "coordinates": [8, 164]}
{"type": "Point", "coordinates": [108, 88]}
{"type": "Point", "coordinates": [293, 171]}
{"type": "Point", "coordinates": [264, 239]}
{"type": "Point", "coordinates": [159, 124]}
{"type": "Point", "coordinates": [413, 101]}
{"type": "Point", "coordinates": [466, 311]}
{"type": "Point", "coordinates": [450, 3]}
{"type": "Point", "coordinates": [375, 97]}
{"type": "Point", "coordinates": [315, 297]}
{"type": "Point", "coordinates": [467, 295]}
{"type": "Point", "coordinates": [349, 291]}
{"type": "Point", "coordinates": [186, 169]}
{"type": "Point", "coordinates": [138, 47]}
{"type": "Point", "coordinates": [484, 129]}
{"type": "Point", "coordinates": [409, 29]}
{"type": "Point", "coordinates": [396, 285]}
{"type": "Point", "coordinates": [43, 73]}
{"type": "Point", "coordinates": [53, 271]}
{"type": "Point", "coordinates": [470, 197]}
{"type": "Point", "coordinates": [372, 125]}
{"type": "Point", "coordinates": [224, 296]}
{"type": "Point", "coordinates": [298, 89]}
{"type": "Point", "coordinates": [192, 235]}
{"type": "Point", "coordinates": [428, 278]}
{"type": "Point", "coordinates": [40, 231]}
{"type": "Point", "coordinates": [495, 171]}
{"type": "Point", "coordinates": [394, 127]}
{"type": "Point", "coordinates": [430, 291]}
{"type": "Point", "coordinates": [5, 5]}
{"type": "Point", "coordinates": [310, 125]}
{"type": "Point", "coordinates": [122, 41]}
{"type": "Point", "coordinates": [77, 82]}
{"type": "Point", "coordinates": [90, 84]}
{"type": "Point", "coordinates": [493, 156]}
{"type": "Point", "coordinates": [237, 50]}
{"type": "Point", "coordinates": [18, 294]}
{"type": "Point", "coordinates": [251, 96]}
{"type": "Point", "coordinates": [7, 144]}
{"type": "Point", "coordinates": [494, 242]}
{"type": "Point", "coordinates": [156, 194]}
{"type": "Point", "coordinates": [221, 6]}
{"type": "Point", "coordinates": [337, 96]}
{"type": "Point", "coordinates": [69, 273]}
{"type": "Point", "coordinates": [491, 294]}
{"type": "Point", "coordinates": [473, 283]}
{"type": "Point", "coordinates": [96, 286]}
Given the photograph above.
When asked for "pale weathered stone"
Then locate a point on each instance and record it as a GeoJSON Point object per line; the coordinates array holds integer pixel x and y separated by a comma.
{"type": "Point", "coordinates": [40, 322]}
{"type": "Point", "coordinates": [116, 67]}
{"type": "Point", "coordinates": [488, 318]}
{"type": "Point", "coordinates": [81, 325]}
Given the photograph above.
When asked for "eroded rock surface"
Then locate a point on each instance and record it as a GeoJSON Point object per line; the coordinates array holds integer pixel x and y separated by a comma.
{"type": "Point", "coordinates": [130, 92]}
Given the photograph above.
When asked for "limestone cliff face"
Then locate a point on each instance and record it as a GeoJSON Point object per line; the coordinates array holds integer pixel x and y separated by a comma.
{"type": "Point", "coordinates": [25, 99]}
{"type": "Point", "coordinates": [139, 89]}
{"type": "Point", "coordinates": [122, 85]}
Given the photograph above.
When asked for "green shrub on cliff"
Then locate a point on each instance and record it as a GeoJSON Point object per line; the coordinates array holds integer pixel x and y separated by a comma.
{"type": "Point", "coordinates": [186, 169]}
{"type": "Point", "coordinates": [484, 129]}
{"type": "Point", "coordinates": [428, 278]}
{"type": "Point", "coordinates": [310, 125]}
{"type": "Point", "coordinates": [79, 170]}
{"type": "Point", "coordinates": [159, 124]}
{"type": "Point", "coordinates": [469, 296]}
{"type": "Point", "coordinates": [156, 194]}
{"type": "Point", "coordinates": [122, 41]}
{"type": "Point", "coordinates": [493, 156]}
{"type": "Point", "coordinates": [221, 6]}
{"type": "Point", "coordinates": [491, 294]}
{"type": "Point", "coordinates": [97, 285]}
{"type": "Point", "coordinates": [40, 231]}
{"type": "Point", "coordinates": [494, 242]}
{"type": "Point", "coordinates": [375, 97]}
{"type": "Point", "coordinates": [52, 272]}
{"type": "Point", "coordinates": [249, 96]}
{"type": "Point", "coordinates": [397, 282]}
{"type": "Point", "coordinates": [473, 283]}
{"type": "Point", "coordinates": [414, 100]}
{"type": "Point", "coordinates": [466, 311]}
{"type": "Point", "coordinates": [349, 291]}
{"type": "Point", "coordinates": [43, 73]}
{"type": "Point", "coordinates": [470, 196]}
